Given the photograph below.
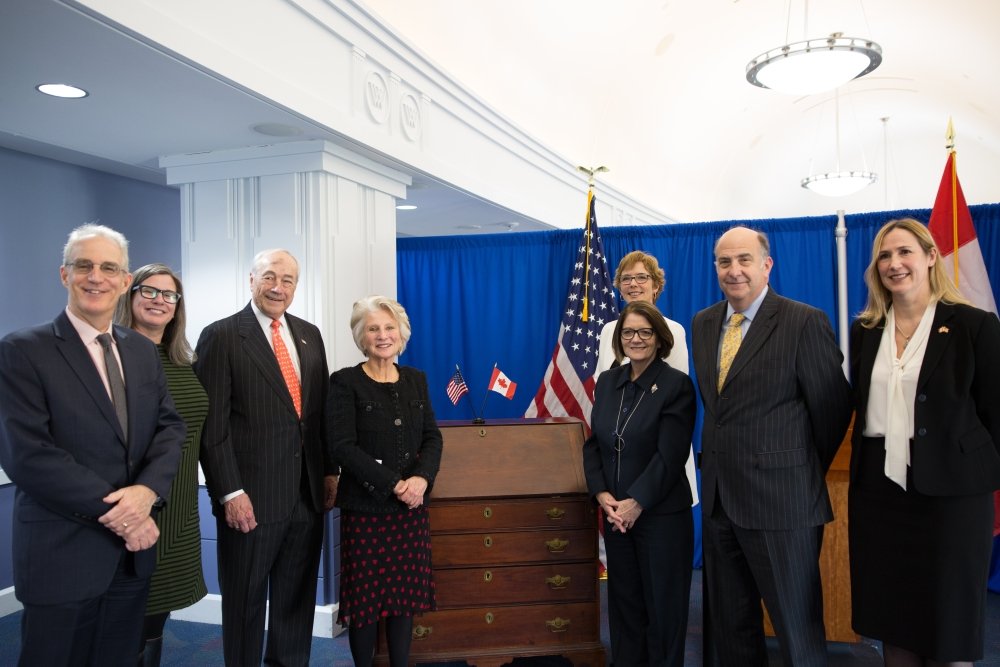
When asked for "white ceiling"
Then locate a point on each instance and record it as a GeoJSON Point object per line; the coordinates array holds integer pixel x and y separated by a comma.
{"type": "Point", "coordinates": [654, 89]}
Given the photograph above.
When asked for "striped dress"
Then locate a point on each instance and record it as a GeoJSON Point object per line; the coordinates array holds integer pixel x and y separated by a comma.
{"type": "Point", "coordinates": [178, 581]}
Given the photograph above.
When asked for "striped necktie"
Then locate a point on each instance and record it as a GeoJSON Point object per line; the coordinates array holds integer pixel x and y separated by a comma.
{"type": "Point", "coordinates": [286, 366]}
{"type": "Point", "coordinates": [730, 344]}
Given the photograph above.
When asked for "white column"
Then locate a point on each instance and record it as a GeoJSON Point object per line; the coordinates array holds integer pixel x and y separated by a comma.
{"type": "Point", "coordinates": [334, 210]}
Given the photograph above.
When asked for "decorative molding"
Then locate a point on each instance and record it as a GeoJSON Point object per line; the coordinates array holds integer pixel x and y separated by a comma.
{"type": "Point", "coordinates": [376, 95]}
{"type": "Point", "coordinates": [9, 604]}
{"type": "Point", "coordinates": [409, 117]}
{"type": "Point", "coordinates": [209, 610]}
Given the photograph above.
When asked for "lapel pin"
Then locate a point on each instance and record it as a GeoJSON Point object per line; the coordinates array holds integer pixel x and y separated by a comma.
{"type": "Point", "coordinates": [653, 389]}
{"type": "Point", "coordinates": [943, 330]}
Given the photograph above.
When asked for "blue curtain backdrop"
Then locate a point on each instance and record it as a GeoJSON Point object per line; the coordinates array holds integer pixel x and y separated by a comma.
{"type": "Point", "coordinates": [480, 300]}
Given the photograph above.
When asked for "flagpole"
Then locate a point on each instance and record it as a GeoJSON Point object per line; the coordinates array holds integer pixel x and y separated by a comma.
{"type": "Point", "coordinates": [949, 138]}
{"type": "Point", "coordinates": [590, 172]}
{"type": "Point", "coordinates": [482, 410]}
{"type": "Point", "coordinates": [476, 419]}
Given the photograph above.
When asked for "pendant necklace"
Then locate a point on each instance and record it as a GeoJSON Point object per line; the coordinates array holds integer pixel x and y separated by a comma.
{"type": "Point", "coordinates": [619, 440]}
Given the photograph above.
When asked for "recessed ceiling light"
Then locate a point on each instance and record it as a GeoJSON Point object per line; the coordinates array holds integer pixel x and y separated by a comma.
{"type": "Point", "coordinates": [277, 130]}
{"type": "Point", "coordinates": [61, 90]}
{"type": "Point", "coordinates": [406, 207]}
{"type": "Point", "coordinates": [468, 226]}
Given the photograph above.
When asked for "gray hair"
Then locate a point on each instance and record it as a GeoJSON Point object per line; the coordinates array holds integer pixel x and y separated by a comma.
{"type": "Point", "coordinates": [261, 259]}
{"type": "Point", "coordinates": [93, 230]}
{"type": "Point", "coordinates": [373, 304]}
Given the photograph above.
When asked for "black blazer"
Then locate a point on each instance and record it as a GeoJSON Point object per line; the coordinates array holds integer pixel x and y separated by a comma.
{"type": "Point", "coordinates": [657, 439]}
{"type": "Point", "coordinates": [62, 445]}
{"type": "Point", "coordinates": [956, 418]}
{"type": "Point", "coordinates": [771, 434]}
{"type": "Point", "coordinates": [253, 439]}
{"type": "Point", "coordinates": [381, 433]}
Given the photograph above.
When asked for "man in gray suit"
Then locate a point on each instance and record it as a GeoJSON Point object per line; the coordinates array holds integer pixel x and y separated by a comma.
{"type": "Point", "coordinates": [266, 465]}
{"type": "Point", "coordinates": [776, 408]}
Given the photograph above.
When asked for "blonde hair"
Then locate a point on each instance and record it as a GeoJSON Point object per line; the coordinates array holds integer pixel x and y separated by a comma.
{"type": "Point", "coordinates": [372, 304]}
{"type": "Point", "coordinates": [655, 272]}
{"type": "Point", "coordinates": [879, 299]}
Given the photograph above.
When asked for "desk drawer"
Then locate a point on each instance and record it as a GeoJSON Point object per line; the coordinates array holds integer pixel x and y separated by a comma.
{"type": "Point", "coordinates": [477, 586]}
{"type": "Point", "coordinates": [484, 515]}
{"type": "Point", "coordinates": [487, 628]}
{"type": "Point", "coordinates": [513, 547]}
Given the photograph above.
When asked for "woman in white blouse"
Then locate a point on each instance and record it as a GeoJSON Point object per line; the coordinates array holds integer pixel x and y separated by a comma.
{"type": "Point", "coordinates": [926, 455]}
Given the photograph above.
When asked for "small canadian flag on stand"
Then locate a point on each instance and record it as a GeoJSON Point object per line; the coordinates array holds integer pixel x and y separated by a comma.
{"type": "Point", "coordinates": [502, 384]}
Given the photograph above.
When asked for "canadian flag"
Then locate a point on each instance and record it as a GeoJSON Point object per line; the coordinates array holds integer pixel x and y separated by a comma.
{"type": "Point", "coordinates": [502, 384]}
{"type": "Point", "coordinates": [951, 226]}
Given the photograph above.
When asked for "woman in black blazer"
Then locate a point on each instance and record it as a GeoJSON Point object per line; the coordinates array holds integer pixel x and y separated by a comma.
{"type": "Point", "coordinates": [634, 460]}
{"type": "Point", "coordinates": [384, 436]}
{"type": "Point", "coordinates": [926, 455]}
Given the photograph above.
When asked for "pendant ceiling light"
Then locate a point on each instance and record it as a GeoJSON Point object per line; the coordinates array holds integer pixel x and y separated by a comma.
{"type": "Point", "coordinates": [813, 65]}
{"type": "Point", "coordinates": [838, 183]}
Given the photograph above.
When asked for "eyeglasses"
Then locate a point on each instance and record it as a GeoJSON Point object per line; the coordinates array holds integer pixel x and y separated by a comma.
{"type": "Point", "coordinates": [149, 292]}
{"type": "Point", "coordinates": [83, 267]}
{"type": "Point", "coordinates": [644, 334]}
{"type": "Point", "coordinates": [639, 278]}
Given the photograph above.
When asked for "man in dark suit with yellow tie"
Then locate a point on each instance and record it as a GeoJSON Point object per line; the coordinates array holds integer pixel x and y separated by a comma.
{"type": "Point", "coordinates": [266, 465]}
{"type": "Point", "coordinates": [89, 435]}
{"type": "Point", "coordinates": [777, 405]}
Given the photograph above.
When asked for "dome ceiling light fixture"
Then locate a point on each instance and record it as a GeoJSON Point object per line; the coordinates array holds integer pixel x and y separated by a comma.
{"type": "Point", "coordinates": [838, 183]}
{"type": "Point", "coordinates": [815, 65]}
{"type": "Point", "coordinates": [64, 90]}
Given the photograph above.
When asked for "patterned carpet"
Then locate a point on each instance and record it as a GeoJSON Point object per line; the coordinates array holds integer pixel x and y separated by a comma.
{"type": "Point", "coordinates": [187, 644]}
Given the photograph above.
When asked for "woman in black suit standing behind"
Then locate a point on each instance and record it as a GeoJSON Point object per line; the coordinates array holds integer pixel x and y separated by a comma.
{"type": "Point", "coordinates": [384, 436]}
{"type": "Point", "coordinates": [926, 455]}
{"type": "Point", "coordinates": [634, 460]}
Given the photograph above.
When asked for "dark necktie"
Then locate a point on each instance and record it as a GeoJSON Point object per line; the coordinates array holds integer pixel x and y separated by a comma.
{"type": "Point", "coordinates": [115, 382]}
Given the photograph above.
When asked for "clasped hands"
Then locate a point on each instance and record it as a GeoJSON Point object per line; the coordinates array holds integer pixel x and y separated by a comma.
{"type": "Point", "coordinates": [410, 491]}
{"type": "Point", "coordinates": [621, 514]}
{"type": "Point", "coordinates": [129, 518]}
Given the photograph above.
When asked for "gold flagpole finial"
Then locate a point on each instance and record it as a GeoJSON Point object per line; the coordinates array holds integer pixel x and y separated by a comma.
{"type": "Point", "coordinates": [949, 136]}
{"type": "Point", "coordinates": [591, 171]}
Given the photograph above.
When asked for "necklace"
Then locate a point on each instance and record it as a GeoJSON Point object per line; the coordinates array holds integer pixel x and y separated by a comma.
{"type": "Point", "coordinates": [906, 339]}
{"type": "Point", "coordinates": [619, 433]}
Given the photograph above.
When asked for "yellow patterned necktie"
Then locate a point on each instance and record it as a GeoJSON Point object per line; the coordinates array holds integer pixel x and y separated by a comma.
{"type": "Point", "coordinates": [730, 343]}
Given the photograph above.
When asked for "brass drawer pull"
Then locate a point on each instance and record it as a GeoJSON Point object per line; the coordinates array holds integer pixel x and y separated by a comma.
{"type": "Point", "coordinates": [422, 631]}
{"type": "Point", "coordinates": [488, 541]}
{"type": "Point", "coordinates": [558, 624]}
{"type": "Point", "coordinates": [487, 576]}
{"type": "Point", "coordinates": [557, 582]}
{"type": "Point", "coordinates": [555, 513]}
{"type": "Point", "coordinates": [557, 545]}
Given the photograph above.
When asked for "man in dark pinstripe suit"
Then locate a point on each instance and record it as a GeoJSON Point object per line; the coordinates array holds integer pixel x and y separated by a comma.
{"type": "Point", "coordinates": [771, 431]}
{"type": "Point", "coordinates": [266, 466]}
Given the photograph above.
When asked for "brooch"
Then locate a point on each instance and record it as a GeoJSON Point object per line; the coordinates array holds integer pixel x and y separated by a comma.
{"type": "Point", "coordinates": [653, 389]}
{"type": "Point", "coordinates": [943, 330]}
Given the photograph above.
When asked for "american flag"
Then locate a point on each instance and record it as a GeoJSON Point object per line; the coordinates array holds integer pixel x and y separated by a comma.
{"type": "Point", "coordinates": [456, 387]}
{"type": "Point", "coordinates": [567, 389]}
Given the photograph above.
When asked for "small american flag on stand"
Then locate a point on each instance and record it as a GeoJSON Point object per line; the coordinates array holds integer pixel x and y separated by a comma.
{"type": "Point", "coordinates": [456, 387]}
{"type": "Point", "coordinates": [567, 390]}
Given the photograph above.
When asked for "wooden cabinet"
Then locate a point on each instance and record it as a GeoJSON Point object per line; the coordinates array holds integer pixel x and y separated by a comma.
{"type": "Point", "coordinates": [514, 548]}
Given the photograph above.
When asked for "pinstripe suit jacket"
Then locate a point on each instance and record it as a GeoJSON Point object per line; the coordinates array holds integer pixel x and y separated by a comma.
{"type": "Point", "coordinates": [770, 435]}
{"type": "Point", "coordinates": [253, 439]}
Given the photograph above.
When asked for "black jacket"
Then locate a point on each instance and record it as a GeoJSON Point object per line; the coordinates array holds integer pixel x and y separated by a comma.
{"type": "Point", "coordinates": [380, 433]}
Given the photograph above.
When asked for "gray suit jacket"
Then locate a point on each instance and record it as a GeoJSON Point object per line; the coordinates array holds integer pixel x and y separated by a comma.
{"type": "Point", "coordinates": [770, 435]}
{"type": "Point", "coordinates": [252, 439]}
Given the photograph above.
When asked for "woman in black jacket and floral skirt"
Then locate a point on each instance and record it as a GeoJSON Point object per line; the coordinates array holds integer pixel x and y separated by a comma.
{"type": "Point", "coordinates": [384, 436]}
